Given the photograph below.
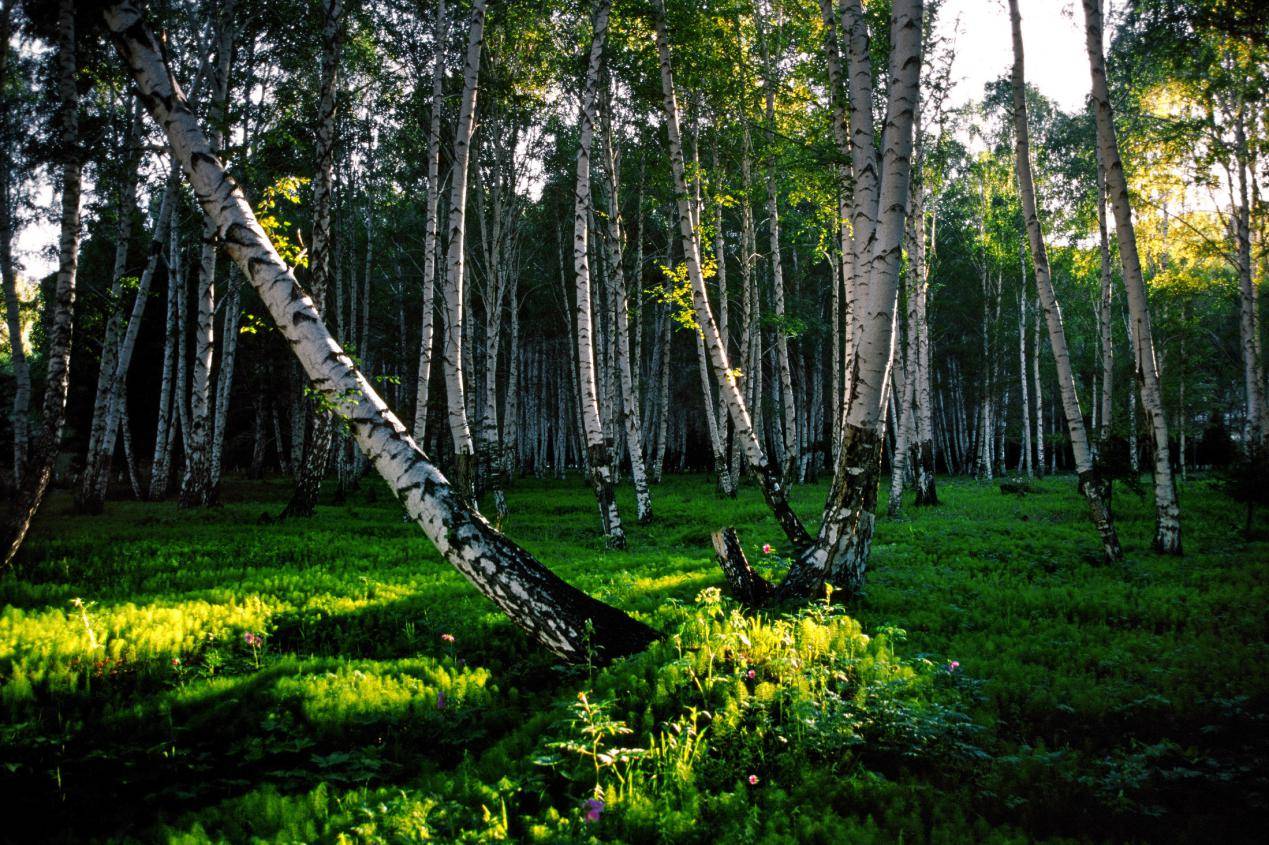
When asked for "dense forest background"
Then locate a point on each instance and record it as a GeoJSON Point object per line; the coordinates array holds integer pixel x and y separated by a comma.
{"type": "Point", "coordinates": [926, 436]}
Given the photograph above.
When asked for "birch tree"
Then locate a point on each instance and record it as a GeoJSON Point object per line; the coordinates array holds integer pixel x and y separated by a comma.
{"type": "Point", "coordinates": [317, 446]}
{"type": "Point", "coordinates": [196, 486]}
{"type": "Point", "coordinates": [428, 322]}
{"type": "Point", "coordinates": [39, 469]}
{"type": "Point", "coordinates": [1091, 484]}
{"type": "Point", "coordinates": [769, 476]}
{"type": "Point", "coordinates": [1167, 537]}
{"type": "Point", "coordinates": [452, 358]}
{"type": "Point", "coordinates": [566, 621]}
{"type": "Point", "coordinates": [21, 408]}
{"type": "Point", "coordinates": [842, 545]}
{"type": "Point", "coordinates": [630, 420]}
{"type": "Point", "coordinates": [597, 445]}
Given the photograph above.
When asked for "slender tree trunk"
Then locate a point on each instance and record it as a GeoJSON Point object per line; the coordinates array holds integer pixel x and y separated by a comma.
{"type": "Point", "coordinates": [563, 619]}
{"type": "Point", "coordinates": [39, 470]}
{"type": "Point", "coordinates": [598, 446]}
{"type": "Point", "coordinates": [225, 378]}
{"type": "Point", "coordinates": [427, 331]}
{"type": "Point", "coordinates": [315, 456]}
{"type": "Point", "coordinates": [94, 474]}
{"type": "Point", "coordinates": [1104, 309]}
{"type": "Point", "coordinates": [117, 380]}
{"type": "Point", "coordinates": [629, 405]}
{"type": "Point", "coordinates": [161, 463]}
{"type": "Point", "coordinates": [1248, 299]}
{"type": "Point", "coordinates": [1167, 509]}
{"type": "Point", "coordinates": [452, 357]}
{"type": "Point", "coordinates": [1091, 484]}
{"type": "Point", "coordinates": [1024, 460]}
{"type": "Point", "coordinates": [769, 477]}
{"type": "Point", "coordinates": [923, 461]}
{"type": "Point", "coordinates": [21, 409]}
{"type": "Point", "coordinates": [777, 271]}
{"type": "Point", "coordinates": [840, 308]}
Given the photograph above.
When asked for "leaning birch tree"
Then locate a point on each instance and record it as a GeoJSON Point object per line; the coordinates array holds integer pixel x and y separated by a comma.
{"type": "Point", "coordinates": [566, 621]}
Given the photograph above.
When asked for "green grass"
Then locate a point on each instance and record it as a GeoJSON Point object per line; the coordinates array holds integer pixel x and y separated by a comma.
{"type": "Point", "coordinates": [1091, 702]}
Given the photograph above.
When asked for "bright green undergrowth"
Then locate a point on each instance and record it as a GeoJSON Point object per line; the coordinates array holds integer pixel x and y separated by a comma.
{"type": "Point", "coordinates": [206, 676]}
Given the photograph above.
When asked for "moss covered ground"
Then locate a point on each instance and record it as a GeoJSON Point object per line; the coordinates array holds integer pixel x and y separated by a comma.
{"type": "Point", "coordinates": [207, 675]}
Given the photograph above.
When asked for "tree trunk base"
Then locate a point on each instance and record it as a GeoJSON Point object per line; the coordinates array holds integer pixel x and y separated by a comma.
{"type": "Point", "coordinates": [1097, 491]}
{"type": "Point", "coordinates": [746, 585]}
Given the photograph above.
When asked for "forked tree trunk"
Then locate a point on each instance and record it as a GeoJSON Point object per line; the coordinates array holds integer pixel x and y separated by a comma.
{"type": "Point", "coordinates": [1091, 484]}
{"type": "Point", "coordinates": [161, 463]}
{"type": "Point", "coordinates": [597, 445]}
{"type": "Point", "coordinates": [117, 384]}
{"type": "Point", "coordinates": [39, 470]}
{"type": "Point", "coordinates": [842, 546]}
{"type": "Point", "coordinates": [427, 331]}
{"type": "Point", "coordinates": [769, 478]}
{"type": "Point", "coordinates": [452, 357]}
{"type": "Point", "coordinates": [1167, 537]}
{"type": "Point", "coordinates": [560, 617]}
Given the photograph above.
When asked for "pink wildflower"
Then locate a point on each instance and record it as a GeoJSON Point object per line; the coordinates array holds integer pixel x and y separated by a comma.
{"type": "Point", "coordinates": [447, 638]}
{"type": "Point", "coordinates": [753, 780]}
{"type": "Point", "coordinates": [751, 674]}
{"type": "Point", "coordinates": [767, 549]}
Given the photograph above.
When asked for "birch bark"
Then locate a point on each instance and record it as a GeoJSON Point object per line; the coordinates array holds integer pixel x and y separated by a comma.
{"type": "Point", "coordinates": [769, 477]}
{"type": "Point", "coordinates": [452, 357]}
{"type": "Point", "coordinates": [428, 327]}
{"type": "Point", "coordinates": [560, 617]}
{"type": "Point", "coordinates": [1167, 537]}
{"type": "Point", "coordinates": [39, 470]}
{"type": "Point", "coordinates": [196, 487]}
{"type": "Point", "coordinates": [1092, 485]}
{"type": "Point", "coordinates": [597, 445]}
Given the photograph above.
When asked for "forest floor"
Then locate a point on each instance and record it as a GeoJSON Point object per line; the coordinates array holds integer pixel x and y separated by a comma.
{"type": "Point", "coordinates": [209, 676]}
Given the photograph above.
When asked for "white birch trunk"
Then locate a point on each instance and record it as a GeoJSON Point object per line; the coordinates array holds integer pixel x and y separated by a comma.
{"type": "Point", "coordinates": [597, 445]}
{"type": "Point", "coordinates": [39, 470]}
{"type": "Point", "coordinates": [1167, 510]}
{"type": "Point", "coordinates": [629, 405]}
{"type": "Point", "coordinates": [565, 620]}
{"type": "Point", "coordinates": [769, 478]}
{"type": "Point", "coordinates": [427, 330]}
{"type": "Point", "coordinates": [21, 408]}
{"type": "Point", "coordinates": [196, 487]}
{"type": "Point", "coordinates": [1092, 485]}
{"type": "Point", "coordinates": [452, 357]}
